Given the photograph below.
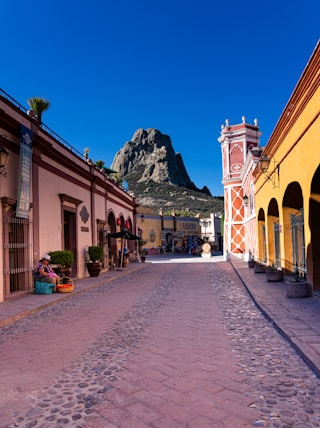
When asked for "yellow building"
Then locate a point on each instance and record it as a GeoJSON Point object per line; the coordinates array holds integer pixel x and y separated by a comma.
{"type": "Point", "coordinates": [167, 232]}
{"type": "Point", "coordinates": [287, 182]}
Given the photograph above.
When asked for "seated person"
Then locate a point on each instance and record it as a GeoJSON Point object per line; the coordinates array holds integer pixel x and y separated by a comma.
{"type": "Point", "coordinates": [45, 273]}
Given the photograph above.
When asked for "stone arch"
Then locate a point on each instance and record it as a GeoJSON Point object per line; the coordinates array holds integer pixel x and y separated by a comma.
{"type": "Point", "coordinates": [313, 250]}
{"type": "Point", "coordinates": [273, 233]}
{"type": "Point", "coordinates": [292, 205]}
{"type": "Point", "coordinates": [131, 243]}
{"type": "Point", "coordinates": [112, 243]}
{"type": "Point", "coordinates": [262, 243]}
{"type": "Point", "coordinates": [122, 222]}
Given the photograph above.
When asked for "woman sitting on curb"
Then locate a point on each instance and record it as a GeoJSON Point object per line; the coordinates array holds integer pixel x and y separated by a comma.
{"type": "Point", "coordinates": [45, 273]}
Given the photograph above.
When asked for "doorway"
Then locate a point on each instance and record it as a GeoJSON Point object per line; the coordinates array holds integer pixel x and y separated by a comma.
{"type": "Point", "coordinates": [70, 237]}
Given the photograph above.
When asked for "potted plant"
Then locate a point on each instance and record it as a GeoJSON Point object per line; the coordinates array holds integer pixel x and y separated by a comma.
{"type": "Point", "coordinates": [251, 261]}
{"type": "Point", "coordinates": [143, 255]}
{"type": "Point", "coordinates": [95, 254]}
{"type": "Point", "coordinates": [62, 261]}
{"type": "Point", "coordinates": [273, 274]}
{"type": "Point", "coordinates": [38, 105]}
{"type": "Point", "coordinates": [259, 267]}
{"type": "Point", "coordinates": [297, 285]}
{"type": "Point", "coordinates": [142, 251]}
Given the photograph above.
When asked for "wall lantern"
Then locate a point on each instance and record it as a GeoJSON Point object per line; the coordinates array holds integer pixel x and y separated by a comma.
{"type": "Point", "coordinates": [263, 165]}
{"type": "Point", "coordinates": [245, 200]}
{"type": "Point", "coordinates": [3, 160]}
{"type": "Point", "coordinates": [142, 218]}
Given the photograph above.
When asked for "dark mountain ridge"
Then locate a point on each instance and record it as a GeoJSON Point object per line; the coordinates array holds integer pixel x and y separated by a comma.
{"type": "Point", "coordinates": [158, 177]}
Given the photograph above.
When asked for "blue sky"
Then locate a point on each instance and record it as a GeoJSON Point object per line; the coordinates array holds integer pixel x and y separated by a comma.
{"type": "Point", "coordinates": [183, 67]}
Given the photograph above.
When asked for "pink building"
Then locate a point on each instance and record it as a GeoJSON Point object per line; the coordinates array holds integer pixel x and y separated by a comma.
{"type": "Point", "coordinates": [52, 198]}
{"type": "Point", "coordinates": [240, 147]}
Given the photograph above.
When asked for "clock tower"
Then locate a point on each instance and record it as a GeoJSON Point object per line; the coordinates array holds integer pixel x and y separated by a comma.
{"type": "Point", "coordinates": [236, 141]}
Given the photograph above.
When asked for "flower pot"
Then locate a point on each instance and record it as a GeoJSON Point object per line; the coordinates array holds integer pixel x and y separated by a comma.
{"type": "Point", "coordinates": [94, 268]}
{"type": "Point", "coordinates": [298, 289]}
{"type": "Point", "coordinates": [259, 268]}
{"type": "Point", "coordinates": [66, 271]}
{"type": "Point", "coordinates": [251, 263]}
{"type": "Point", "coordinates": [62, 270]}
{"type": "Point", "coordinates": [274, 275]}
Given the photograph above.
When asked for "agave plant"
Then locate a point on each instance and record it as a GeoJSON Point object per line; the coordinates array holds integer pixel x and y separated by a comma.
{"type": "Point", "coordinates": [38, 105]}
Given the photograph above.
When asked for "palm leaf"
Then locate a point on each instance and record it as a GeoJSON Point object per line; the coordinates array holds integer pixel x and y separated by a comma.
{"type": "Point", "coordinates": [38, 105]}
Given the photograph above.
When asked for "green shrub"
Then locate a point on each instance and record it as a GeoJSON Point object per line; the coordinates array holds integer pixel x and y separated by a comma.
{"type": "Point", "coordinates": [95, 253]}
{"type": "Point", "coordinates": [63, 258]}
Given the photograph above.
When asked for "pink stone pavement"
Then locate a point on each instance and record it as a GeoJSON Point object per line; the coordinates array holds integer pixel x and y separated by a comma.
{"type": "Point", "coordinates": [182, 373]}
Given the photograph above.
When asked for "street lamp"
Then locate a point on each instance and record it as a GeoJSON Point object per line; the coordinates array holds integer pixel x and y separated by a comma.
{"type": "Point", "coordinates": [263, 165]}
{"type": "Point", "coordinates": [205, 224]}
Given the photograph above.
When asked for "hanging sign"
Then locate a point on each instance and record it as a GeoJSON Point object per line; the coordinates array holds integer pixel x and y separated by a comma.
{"type": "Point", "coordinates": [23, 200]}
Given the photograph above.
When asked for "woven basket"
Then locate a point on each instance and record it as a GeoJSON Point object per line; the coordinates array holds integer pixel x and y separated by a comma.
{"type": "Point", "coordinates": [66, 288]}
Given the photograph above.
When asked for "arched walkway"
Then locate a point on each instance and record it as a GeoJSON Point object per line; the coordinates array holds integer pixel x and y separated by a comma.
{"type": "Point", "coordinates": [293, 229]}
{"type": "Point", "coordinates": [313, 250]}
{"type": "Point", "coordinates": [262, 242]}
{"type": "Point", "coordinates": [273, 231]}
{"type": "Point", "coordinates": [112, 242]}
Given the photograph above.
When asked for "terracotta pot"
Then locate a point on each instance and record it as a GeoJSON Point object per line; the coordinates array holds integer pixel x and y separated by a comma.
{"type": "Point", "coordinates": [298, 289]}
{"type": "Point", "coordinates": [66, 271]}
{"type": "Point", "coordinates": [94, 269]}
{"type": "Point", "coordinates": [274, 275]}
{"type": "Point", "coordinates": [62, 271]}
{"type": "Point", "coordinates": [259, 268]}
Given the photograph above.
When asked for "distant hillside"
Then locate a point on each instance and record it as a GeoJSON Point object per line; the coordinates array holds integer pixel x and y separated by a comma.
{"type": "Point", "coordinates": [158, 178]}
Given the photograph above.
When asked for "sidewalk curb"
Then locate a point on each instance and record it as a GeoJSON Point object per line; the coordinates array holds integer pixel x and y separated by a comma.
{"type": "Point", "coordinates": [293, 344]}
{"type": "Point", "coordinates": [66, 296]}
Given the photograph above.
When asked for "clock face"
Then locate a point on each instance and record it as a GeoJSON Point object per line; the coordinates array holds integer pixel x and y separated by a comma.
{"type": "Point", "coordinates": [206, 248]}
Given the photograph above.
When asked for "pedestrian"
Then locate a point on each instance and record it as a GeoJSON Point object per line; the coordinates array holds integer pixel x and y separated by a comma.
{"type": "Point", "coordinates": [44, 273]}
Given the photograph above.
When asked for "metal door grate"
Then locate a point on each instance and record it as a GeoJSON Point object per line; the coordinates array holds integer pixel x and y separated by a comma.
{"type": "Point", "coordinates": [298, 242]}
{"type": "Point", "coordinates": [276, 231]}
{"type": "Point", "coordinates": [17, 252]}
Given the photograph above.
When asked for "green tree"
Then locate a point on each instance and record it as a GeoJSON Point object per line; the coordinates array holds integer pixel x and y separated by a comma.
{"type": "Point", "coordinates": [38, 105]}
{"type": "Point", "coordinates": [99, 164]}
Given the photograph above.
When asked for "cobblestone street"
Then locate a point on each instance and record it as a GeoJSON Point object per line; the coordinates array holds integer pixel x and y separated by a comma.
{"type": "Point", "coordinates": [173, 345]}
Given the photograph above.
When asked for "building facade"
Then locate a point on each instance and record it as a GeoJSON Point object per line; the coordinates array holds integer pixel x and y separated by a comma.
{"type": "Point", "coordinates": [168, 233]}
{"type": "Point", "coordinates": [287, 182]}
{"type": "Point", "coordinates": [52, 198]}
{"type": "Point", "coordinates": [272, 194]}
{"type": "Point", "coordinates": [211, 231]}
{"type": "Point", "coordinates": [240, 146]}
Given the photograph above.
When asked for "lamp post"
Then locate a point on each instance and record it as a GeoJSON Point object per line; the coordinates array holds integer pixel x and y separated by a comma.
{"type": "Point", "coordinates": [205, 224]}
